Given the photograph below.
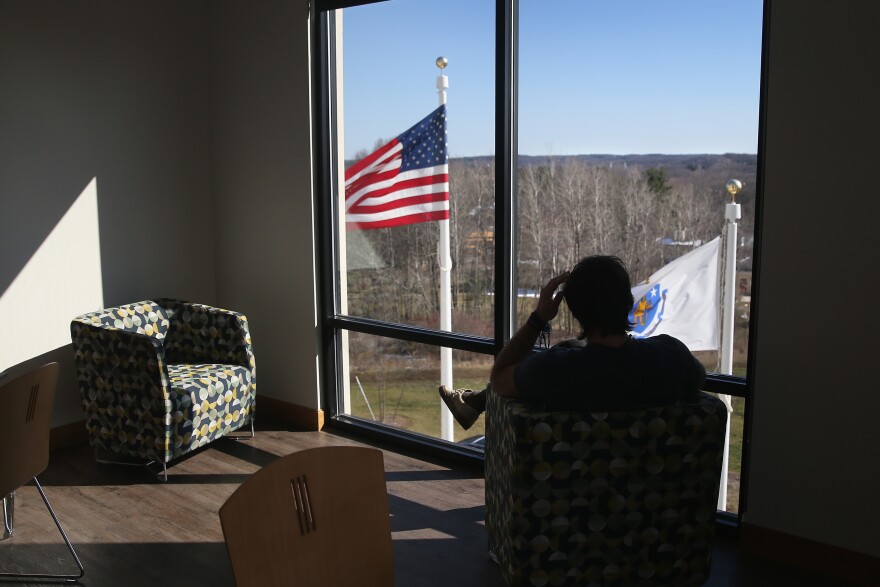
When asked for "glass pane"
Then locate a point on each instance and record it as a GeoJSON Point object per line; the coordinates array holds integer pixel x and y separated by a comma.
{"type": "Point", "coordinates": [633, 116]}
{"type": "Point", "coordinates": [395, 382]}
{"type": "Point", "coordinates": [391, 253]}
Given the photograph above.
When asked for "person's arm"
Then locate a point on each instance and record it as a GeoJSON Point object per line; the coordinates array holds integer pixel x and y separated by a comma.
{"type": "Point", "coordinates": [522, 343]}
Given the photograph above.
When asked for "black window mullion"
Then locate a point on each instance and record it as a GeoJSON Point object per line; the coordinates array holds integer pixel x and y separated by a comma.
{"type": "Point", "coordinates": [324, 165]}
{"type": "Point", "coordinates": [440, 338]}
{"type": "Point", "coordinates": [725, 384]}
{"type": "Point", "coordinates": [757, 231]}
{"type": "Point", "coordinates": [505, 165]}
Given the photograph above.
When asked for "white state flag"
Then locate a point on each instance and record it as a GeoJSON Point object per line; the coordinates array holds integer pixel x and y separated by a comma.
{"type": "Point", "coordinates": [681, 300]}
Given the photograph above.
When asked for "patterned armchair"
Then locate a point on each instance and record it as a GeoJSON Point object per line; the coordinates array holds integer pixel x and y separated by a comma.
{"type": "Point", "coordinates": [161, 378]}
{"type": "Point", "coordinates": [611, 499]}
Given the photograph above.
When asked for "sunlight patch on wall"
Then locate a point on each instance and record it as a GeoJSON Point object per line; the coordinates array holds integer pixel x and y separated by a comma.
{"type": "Point", "coordinates": [61, 280]}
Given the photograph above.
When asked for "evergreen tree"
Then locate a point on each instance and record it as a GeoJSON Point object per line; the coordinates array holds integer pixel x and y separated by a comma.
{"type": "Point", "coordinates": [657, 181]}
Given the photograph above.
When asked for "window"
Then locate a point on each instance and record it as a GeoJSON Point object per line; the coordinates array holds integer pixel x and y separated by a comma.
{"type": "Point", "coordinates": [391, 264]}
{"type": "Point", "coordinates": [388, 61]}
{"type": "Point", "coordinates": [594, 127]}
{"type": "Point", "coordinates": [628, 132]}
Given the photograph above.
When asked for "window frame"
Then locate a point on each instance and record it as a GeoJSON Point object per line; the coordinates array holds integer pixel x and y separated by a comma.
{"type": "Point", "coordinates": [326, 188]}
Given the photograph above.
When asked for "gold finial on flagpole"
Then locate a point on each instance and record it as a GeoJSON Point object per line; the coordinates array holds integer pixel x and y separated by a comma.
{"type": "Point", "coordinates": [442, 79]}
{"type": "Point", "coordinates": [733, 186]}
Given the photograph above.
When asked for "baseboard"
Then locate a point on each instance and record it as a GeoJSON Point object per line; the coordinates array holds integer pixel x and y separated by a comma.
{"type": "Point", "coordinates": [276, 409]}
{"type": "Point", "coordinates": [810, 555]}
{"type": "Point", "coordinates": [68, 435]}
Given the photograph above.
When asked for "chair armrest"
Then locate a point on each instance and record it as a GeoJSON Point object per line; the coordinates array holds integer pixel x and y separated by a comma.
{"type": "Point", "coordinates": [123, 382]}
{"type": "Point", "coordinates": [112, 352]}
{"type": "Point", "coordinates": [204, 334]}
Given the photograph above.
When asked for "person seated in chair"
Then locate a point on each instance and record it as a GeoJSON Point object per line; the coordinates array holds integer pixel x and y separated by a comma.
{"type": "Point", "coordinates": [604, 369]}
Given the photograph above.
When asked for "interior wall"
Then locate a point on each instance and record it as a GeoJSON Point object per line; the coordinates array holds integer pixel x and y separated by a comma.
{"type": "Point", "coordinates": [814, 466]}
{"type": "Point", "coordinates": [111, 95]}
{"type": "Point", "coordinates": [261, 147]}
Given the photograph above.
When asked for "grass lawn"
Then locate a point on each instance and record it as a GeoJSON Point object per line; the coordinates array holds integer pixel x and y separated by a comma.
{"type": "Point", "coordinates": [409, 399]}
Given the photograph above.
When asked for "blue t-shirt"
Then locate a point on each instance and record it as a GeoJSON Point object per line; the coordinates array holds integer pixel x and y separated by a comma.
{"type": "Point", "coordinates": [642, 373]}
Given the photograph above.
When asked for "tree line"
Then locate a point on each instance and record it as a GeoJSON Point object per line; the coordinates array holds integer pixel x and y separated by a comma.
{"type": "Point", "coordinates": [566, 208]}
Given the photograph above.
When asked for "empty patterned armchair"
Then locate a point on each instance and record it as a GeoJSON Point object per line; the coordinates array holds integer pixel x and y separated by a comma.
{"type": "Point", "coordinates": [611, 499]}
{"type": "Point", "coordinates": [161, 378]}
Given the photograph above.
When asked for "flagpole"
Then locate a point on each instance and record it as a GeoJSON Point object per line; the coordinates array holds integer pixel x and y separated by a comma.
{"type": "Point", "coordinates": [732, 213]}
{"type": "Point", "coordinates": [444, 259]}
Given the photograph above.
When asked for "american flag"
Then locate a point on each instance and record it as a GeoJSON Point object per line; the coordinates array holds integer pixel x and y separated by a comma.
{"type": "Point", "coordinates": [403, 182]}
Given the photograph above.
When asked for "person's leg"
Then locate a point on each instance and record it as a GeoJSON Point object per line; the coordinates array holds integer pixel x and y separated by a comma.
{"type": "Point", "coordinates": [475, 398]}
{"type": "Point", "coordinates": [466, 405]}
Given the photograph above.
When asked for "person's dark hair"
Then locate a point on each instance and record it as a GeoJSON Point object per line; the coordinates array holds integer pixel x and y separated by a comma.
{"type": "Point", "coordinates": [599, 295]}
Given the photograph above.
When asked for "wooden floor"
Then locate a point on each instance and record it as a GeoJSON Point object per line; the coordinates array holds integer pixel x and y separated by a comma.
{"type": "Point", "coordinates": [132, 531]}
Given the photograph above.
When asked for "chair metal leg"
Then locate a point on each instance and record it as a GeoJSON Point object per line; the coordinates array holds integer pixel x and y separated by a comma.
{"type": "Point", "coordinates": [68, 578]}
{"type": "Point", "coordinates": [161, 476]}
{"type": "Point", "coordinates": [244, 436]}
{"type": "Point", "coordinates": [8, 515]}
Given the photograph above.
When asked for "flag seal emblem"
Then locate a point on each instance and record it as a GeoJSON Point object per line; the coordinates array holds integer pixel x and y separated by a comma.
{"type": "Point", "coordinates": [647, 312]}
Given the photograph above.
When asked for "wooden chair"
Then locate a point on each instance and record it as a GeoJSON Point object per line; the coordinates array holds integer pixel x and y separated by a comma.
{"type": "Point", "coordinates": [24, 449]}
{"type": "Point", "coordinates": [317, 517]}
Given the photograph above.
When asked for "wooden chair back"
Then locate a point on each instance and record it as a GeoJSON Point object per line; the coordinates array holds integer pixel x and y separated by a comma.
{"type": "Point", "coordinates": [313, 518]}
{"type": "Point", "coordinates": [24, 426]}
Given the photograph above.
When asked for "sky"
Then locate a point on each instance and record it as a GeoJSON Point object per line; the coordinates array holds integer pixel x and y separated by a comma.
{"type": "Point", "coordinates": [596, 77]}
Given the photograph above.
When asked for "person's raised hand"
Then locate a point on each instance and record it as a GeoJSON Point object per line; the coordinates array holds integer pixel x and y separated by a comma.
{"type": "Point", "coordinates": [548, 303]}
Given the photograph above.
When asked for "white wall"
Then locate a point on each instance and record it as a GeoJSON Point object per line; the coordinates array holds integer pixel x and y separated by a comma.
{"type": "Point", "coordinates": [188, 126]}
{"type": "Point", "coordinates": [815, 470]}
{"type": "Point", "coordinates": [114, 93]}
{"type": "Point", "coordinates": [261, 144]}
{"type": "Point", "coordinates": [69, 255]}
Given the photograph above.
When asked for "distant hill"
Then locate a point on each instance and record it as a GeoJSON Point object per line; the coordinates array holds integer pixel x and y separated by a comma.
{"type": "Point", "coordinates": [743, 166]}
{"type": "Point", "coordinates": [674, 164]}
{"type": "Point", "coordinates": [693, 162]}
